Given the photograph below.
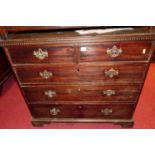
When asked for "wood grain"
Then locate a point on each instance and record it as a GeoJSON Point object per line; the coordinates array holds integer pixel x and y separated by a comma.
{"type": "Point", "coordinates": [67, 73]}
{"type": "Point", "coordinates": [82, 93]}
{"type": "Point", "coordinates": [55, 54]}
{"type": "Point", "coordinates": [130, 51]}
{"type": "Point", "coordinates": [83, 111]}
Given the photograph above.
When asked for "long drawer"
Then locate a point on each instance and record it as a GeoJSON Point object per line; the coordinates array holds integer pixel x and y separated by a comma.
{"type": "Point", "coordinates": [113, 93]}
{"type": "Point", "coordinates": [42, 54]}
{"type": "Point", "coordinates": [111, 72]}
{"type": "Point", "coordinates": [119, 51]}
{"type": "Point", "coordinates": [116, 111]}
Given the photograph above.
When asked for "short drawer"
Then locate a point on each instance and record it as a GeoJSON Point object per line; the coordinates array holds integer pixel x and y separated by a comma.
{"type": "Point", "coordinates": [119, 51]}
{"type": "Point", "coordinates": [111, 72]}
{"type": "Point", "coordinates": [117, 111]}
{"type": "Point", "coordinates": [44, 54]}
{"type": "Point", "coordinates": [115, 93]}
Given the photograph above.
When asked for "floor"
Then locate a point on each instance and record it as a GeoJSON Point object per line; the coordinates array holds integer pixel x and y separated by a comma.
{"type": "Point", "coordinates": [14, 112]}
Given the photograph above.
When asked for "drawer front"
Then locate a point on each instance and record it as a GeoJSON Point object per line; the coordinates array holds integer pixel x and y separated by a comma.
{"type": "Point", "coordinates": [82, 93]}
{"type": "Point", "coordinates": [44, 54]}
{"type": "Point", "coordinates": [113, 72]}
{"type": "Point", "coordinates": [117, 111]}
{"type": "Point", "coordinates": [123, 51]}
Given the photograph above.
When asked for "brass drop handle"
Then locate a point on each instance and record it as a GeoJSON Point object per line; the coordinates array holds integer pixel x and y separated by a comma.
{"type": "Point", "coordinates": [50, 93]}
{"type": "Point", "coordinates": [114, 51]}
{"type": "Point", "coordinates": [46, 74]}
{"type": "Point", "coordinates": [106, 111]}
{"type": "Point", "coordinates": [111, 73]}
{"type": "Point", "coordinates": [109, 92]}
{"type": "Point", "coordinates": [54, 111]}
{"type": "Point", "coordinates": [40, 54]}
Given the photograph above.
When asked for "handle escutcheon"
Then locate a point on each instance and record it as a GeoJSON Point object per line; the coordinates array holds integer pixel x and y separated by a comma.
{"type": "Point", "coordinates": [106, 111]}
{"type": "Point", "coordinates": [111, 73]}
{"type": "Point", "coordinates": [40, 54]}
{"type": "Point", "coordinates": [46, 74]}
{"type": "Point", "coordinates": [54, 111]}
{"type": "Point", "coordinates": [114, 51]}
{"type": "Point", "coordinates": [50, 93]}
{"type": "Point", "coordinates": [109, 92]}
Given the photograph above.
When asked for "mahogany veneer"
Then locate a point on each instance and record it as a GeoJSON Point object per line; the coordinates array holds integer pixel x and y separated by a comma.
{"type": "Point", "coordinates": [67, 76]}
{"type": "Point", "coordinates": [81, 73]}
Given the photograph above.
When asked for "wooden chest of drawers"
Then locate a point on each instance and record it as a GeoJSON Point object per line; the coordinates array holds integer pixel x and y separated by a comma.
{"type": "Point", "coordinates": [66, 76]}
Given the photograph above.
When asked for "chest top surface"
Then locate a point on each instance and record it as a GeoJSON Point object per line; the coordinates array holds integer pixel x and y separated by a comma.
{"type": "Point", "coordinates": [72, 35]}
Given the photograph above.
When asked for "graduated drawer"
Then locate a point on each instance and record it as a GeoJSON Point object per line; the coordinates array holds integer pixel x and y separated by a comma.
{"type": "Point", "coordinates": [108, 111]}
{"type": "Point", "coordinates": [119, 51]}
{"type": "Point", "coordinates": [115, 93]}
{"type": "Point", "coordinates": [110, 72]}
{"type": "Point", "coordinates": [44, 54]}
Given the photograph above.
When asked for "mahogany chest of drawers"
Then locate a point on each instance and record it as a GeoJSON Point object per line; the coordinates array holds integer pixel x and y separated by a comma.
{"type": "Point", "coordinates": [80, 74]}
